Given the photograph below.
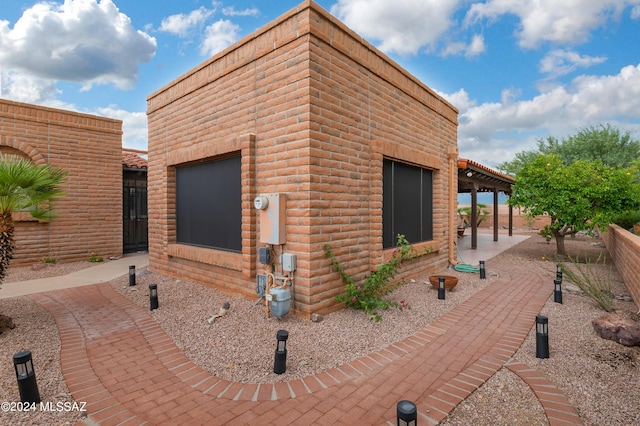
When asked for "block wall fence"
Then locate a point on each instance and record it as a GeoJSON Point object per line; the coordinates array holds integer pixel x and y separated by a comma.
{"type": "Point", "coordinates": [89, 148]}
{"type": "Point", "coordinates": [313, 109]}
{"type": "Point", "coordinates": [624, 248]}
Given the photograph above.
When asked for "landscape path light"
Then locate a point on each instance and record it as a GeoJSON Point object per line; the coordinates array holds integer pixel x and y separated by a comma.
{"type": "Point", "coordinates": [407, 414]}
{"type": "Point", "coordinates": [542, 336]}
{"type": "Point", "coordinates": [27, 385]}
{"type": "Point", "coordinates": [483, 272]}
{"type": "Point", "coordinates": [280, 363]}
{"type": "Point", "coordinates": [441, 289]}
{"type": "Point", "coordinates": [557, 290]}
{"type": "Point", "coordinates": [153, 296]}
{"type": "Point", "coordinates": [132, 275]}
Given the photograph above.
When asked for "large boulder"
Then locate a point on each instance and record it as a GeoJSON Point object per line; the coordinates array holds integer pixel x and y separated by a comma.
{"type": "Point", "coordinates": [6, 323]}
{"type": "Point", "coordinates": [619, 329]}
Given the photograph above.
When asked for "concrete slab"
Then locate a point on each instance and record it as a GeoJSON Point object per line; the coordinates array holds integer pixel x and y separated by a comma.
{"type": "Point", "coordinates": [100, 273]}
{"type": "Point", "coordinates": [487, 248]}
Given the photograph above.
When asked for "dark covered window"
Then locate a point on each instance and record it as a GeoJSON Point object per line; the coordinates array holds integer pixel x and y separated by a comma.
{"type": "Point", "coordinates": [208, 204]}
{"type": "Point", "coordinates": [407, 203]}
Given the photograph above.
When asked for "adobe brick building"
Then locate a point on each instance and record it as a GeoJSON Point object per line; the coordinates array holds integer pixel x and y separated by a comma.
{"type": "Point", "coordinates": [90, 149]}
{"type": "Point", "coordinates": [358, 149]}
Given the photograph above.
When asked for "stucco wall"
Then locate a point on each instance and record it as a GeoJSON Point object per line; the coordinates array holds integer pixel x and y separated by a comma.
{"type": "Point", "coordinates": [90, 149]}
{"type": "Point", "coordinates": [624, 248]}
{"type": "Point", "coordinates": [313, 109]}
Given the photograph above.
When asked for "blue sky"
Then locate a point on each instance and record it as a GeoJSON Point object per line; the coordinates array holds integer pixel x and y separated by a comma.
{"type": "Point", "coordinates": [518, 70]}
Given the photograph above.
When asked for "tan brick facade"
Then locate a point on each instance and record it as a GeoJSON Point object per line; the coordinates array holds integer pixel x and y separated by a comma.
{"type": "Point", "coordinates": [90, 149]}
{"type": "Point", "coordinates": [313, 109]}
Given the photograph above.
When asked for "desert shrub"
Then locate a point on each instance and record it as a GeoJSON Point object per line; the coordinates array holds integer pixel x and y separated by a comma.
{"type": "Point", "coordinates": [627, 220]}
{"type": "Point", "coordinates": [369, 296]}
{"type": "Point", "coordinates": [593, 279]}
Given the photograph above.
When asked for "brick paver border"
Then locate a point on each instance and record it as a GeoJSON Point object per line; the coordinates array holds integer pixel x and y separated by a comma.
{"type": "Point", "coordinates": [118, 359]}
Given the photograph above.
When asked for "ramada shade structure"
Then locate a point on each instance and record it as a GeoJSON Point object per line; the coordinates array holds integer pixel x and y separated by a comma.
{"type": "Point", "coordinates": [473, 177]}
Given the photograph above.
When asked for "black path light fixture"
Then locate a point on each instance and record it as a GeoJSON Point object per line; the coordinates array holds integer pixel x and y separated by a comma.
{"type": "Point", "coordinates": [441, 289]}
{"type": "Point", "coordinates": [132, 275]}
{"type": "Point", "coordinates": [153, 296]}
{"type": "Point", "coordinates": [280, 363]}
{"type": "Point", "coordinates": [407, 413]}
{"type": "Point", "coordinates": [27, 385]}
{"type": "Point", "coordinates": [557, 290]}
{"type": "Point", "coordinates": [483, 272]}
{"type": "Point", "coordinates": [542, 336]}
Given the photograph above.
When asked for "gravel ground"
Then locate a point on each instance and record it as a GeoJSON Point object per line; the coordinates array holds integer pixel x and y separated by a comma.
{"type": "Point", "coordinates": [599, 377]}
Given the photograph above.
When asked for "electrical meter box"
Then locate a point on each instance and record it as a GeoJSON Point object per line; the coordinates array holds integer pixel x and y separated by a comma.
{"type": "Point", "coordinates": [288, 262]}
{"type": "Point", "coordinates": [261, 284]}
{"type": "Point", "coordinates": [280, 302]}
{"type": "Point", "coordinates": [263, 255]}
{"type": "Point", "coordinates": [272, 218]}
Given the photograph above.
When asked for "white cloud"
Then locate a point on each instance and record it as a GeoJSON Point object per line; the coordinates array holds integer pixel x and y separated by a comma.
{"type": "Point", "coordinates": [231, 11]}
{"type": "Point", "coordinates": [474, 48]}
{"type": "Point", "coordinates": [182, 23]}
{"type": "Point", "coordinates": [25, 88]}
{"type": "Point", "coordinates": [635, 12]}
{"type": "Point", "coordinates": [134, 125]}
{"type": "Point", "coordinates": [81, 41]}
{"type": "Point", "coordinates": [560, 62]}
{"type": "Point", "coordinates": [218, 36]}
{"type": "Point", "coordinates": [562, 22]}
{"type": "Point", "coordinates": [401, 26]}
{"type": "Point", "coordinates": [486, 131]}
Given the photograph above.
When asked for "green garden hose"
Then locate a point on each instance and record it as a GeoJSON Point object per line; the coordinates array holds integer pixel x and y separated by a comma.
{"type": "Point", "coordinates": [463, 267]}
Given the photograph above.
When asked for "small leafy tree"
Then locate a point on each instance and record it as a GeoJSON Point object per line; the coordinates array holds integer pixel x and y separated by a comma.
{"type": "Point", "coordinates": [368, 296]}
{"type": "Point", "coordinates": [611, 146]}
{"type": "Point", "coordinates": [579, 196]}
{"type": "Point", "coordinates": [24, 186]}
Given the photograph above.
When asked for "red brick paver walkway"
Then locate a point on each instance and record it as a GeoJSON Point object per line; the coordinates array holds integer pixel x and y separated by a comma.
{"type": "Point", "coordinates": [116, 358]}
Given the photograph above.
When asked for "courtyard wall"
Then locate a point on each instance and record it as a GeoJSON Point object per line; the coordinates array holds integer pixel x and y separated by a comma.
{"type": "Point", "coordinates": [624, 248]}
{"type": "Point", "coordinates": [89, 148]}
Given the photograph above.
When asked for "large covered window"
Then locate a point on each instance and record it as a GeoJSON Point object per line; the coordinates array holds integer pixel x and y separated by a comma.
{"type": "Point", "coordinates": [407, 203]}
{"type": "Point", "coordinates": [208, 204]}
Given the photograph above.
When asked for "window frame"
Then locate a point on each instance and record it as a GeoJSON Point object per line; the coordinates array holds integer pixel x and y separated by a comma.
{"type": "Point", "coordinates": [397, 182]}
{"type": "Point", "coordinates": [200, 224]}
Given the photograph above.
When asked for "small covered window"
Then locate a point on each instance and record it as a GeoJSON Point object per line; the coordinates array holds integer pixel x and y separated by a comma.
{"type": "Point", "coordinates": [208, 204]}
{"type": "Point", "coordinates": [407, 203]}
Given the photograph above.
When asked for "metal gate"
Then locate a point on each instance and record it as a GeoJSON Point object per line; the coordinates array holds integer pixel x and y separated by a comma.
{"type": "Point", "coordinates": [135, 221]}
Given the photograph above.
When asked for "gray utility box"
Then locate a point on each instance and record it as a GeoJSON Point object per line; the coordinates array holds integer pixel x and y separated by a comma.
{"type": "Point", "coordinates": [280, 302]}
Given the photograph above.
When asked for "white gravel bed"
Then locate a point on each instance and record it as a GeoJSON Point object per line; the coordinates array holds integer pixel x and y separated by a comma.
{"type": "Point", "coordinates": [37, 332]}
{"type": "Point", "coordinates": [240, 346]}
{"type": "Point", "coordinates": [44, 270]}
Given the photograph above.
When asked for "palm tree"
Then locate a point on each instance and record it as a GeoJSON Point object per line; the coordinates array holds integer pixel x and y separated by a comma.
{"type": "Point", "coordinates": [24, 186]}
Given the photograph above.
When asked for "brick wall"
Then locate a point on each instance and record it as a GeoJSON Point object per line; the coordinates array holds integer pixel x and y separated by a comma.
{"type": "Point", "coordinates": [90, 149]}
{"type": "Point", "coordinates": [624, 248]}
{"type": "Point", "coordinates": [520, 221]}
{"type": "Point", "coordinates": [313, 110]}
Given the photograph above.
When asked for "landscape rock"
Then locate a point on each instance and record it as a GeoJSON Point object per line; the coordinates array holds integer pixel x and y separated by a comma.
{"type": "Point", "coordinates": [619, 329]}
{"type": "Point", "coordinates": [6, 323]}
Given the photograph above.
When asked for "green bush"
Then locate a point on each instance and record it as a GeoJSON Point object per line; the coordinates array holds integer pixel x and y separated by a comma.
{"type": "Point", "coordinates": [368, 296]}
{"type": "Point", "coordinates": [627, 220]}
{"type": "Point", "coordinates": [546, 232]}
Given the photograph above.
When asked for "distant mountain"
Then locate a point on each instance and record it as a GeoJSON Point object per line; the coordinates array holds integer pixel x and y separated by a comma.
{"type": "Point", "coordinates": [483, 198]}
